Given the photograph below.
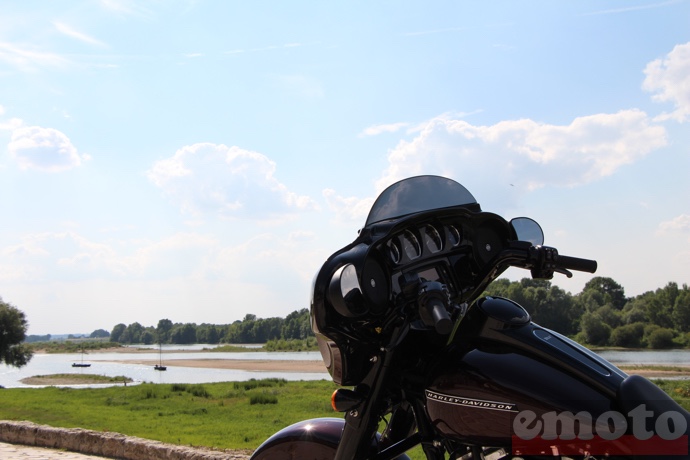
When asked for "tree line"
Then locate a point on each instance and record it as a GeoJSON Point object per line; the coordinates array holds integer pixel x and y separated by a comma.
{"type": "Point", "coordinates": [295, 326]}
{"type": "Point", "coordinates": [602, 315]}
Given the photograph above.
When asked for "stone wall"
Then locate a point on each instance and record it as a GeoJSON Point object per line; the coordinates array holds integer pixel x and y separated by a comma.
{"type": "Point", "coordinates": [106, 444]}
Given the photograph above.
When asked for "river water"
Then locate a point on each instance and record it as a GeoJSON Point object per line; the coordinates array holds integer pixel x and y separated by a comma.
{"type": "Point", "coordinates": [106, 364]}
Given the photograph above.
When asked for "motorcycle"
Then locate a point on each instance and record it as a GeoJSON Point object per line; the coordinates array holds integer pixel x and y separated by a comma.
{"type": "Point", "coordinates": [421, 354]}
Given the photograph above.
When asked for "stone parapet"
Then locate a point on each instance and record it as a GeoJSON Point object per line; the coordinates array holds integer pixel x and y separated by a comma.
{"type": "Point", "coordinates": [106, 444]}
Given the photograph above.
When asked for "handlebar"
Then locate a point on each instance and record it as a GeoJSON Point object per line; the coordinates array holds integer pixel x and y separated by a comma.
{"type": "Point", "coordinates": [543, 261]}
{"type": "Point", "coordinates": [575, 263]}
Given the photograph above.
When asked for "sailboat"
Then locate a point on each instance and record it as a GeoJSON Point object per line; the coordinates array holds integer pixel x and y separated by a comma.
{"type": "Point", "coordinates": [82, 363]}
{"type": "Point", "coordinates": [160, 366]}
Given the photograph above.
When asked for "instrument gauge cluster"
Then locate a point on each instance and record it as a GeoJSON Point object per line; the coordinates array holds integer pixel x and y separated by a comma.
{"type": "Point", "coordinates": [411, 245]}
{"type": "Point", "coordinates": [421, 241]}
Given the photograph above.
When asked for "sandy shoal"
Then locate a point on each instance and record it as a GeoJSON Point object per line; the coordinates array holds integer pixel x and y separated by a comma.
{"type": "Point", "coordinates": [239, 364]}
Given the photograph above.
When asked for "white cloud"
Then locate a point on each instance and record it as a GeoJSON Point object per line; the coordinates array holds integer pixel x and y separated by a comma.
{"type": "Point", "coordinates": [526, 152]}
{"type": "Point", "coordinates": [127, 7]}
{"type": "Point", "coordinates": [384, 128]}
{"type": "Point", "coordinates": [28, 60]}
{"type": "Point", "coordinates": [44, 149]}
{"type": "Point", "coordinates": [678, 224]}
{"type": "Point", "coordinates": [229, 181]}
{"type": "Point", "coordinates": [71, 32]}
{"type": "Point", "coordinates": [349, 209]}
{"type": "Point", "coordinates": [669, 80]}
{"type": "Point", "coordinates": [11, 125]}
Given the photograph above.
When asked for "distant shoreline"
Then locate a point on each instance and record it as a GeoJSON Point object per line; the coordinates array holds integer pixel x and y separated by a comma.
{"type": "Point", "coordinates": [266, 365]}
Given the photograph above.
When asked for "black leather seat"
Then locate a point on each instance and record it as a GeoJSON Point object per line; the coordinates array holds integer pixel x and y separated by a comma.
{"type": "Point", "coordinates": [636, 390]}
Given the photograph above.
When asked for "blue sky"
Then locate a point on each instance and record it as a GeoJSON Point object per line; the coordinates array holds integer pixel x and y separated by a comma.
{"type": "Point", "coordinates": [198, 160]}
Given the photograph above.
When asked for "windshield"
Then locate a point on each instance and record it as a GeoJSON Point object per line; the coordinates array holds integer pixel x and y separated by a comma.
{"type": "Point", "coordinates": [420, 193]}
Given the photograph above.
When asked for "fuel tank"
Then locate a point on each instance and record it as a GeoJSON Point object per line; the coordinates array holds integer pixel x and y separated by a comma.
{"type": "Point", "coordinates": [500, 366]}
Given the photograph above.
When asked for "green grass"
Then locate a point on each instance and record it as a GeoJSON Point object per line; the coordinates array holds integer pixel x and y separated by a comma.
{"type": "Point", "coordinates": [72, 346]}
{"type": "Point", "coordinates": [56, 379]}
{"type": "Point", "coordinates": [654, 367]}
{"type": "Point", "coordinates": [231, 415]}
{"type": "Point", "coordinates": [217, 415]}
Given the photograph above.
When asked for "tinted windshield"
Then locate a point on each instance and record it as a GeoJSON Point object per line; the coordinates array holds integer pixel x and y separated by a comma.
{"type": "Point", "coordinates": [420, 193]}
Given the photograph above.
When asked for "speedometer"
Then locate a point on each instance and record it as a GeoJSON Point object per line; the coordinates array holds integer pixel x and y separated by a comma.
{"type": "Point", "coordinates": [411, 245]}
{"type": "Point", "coordinates": [454, 235]}
{"type": "Point", "coordinates": [432, 239]}
{"type": "Point", "coordinates": [393, 251]}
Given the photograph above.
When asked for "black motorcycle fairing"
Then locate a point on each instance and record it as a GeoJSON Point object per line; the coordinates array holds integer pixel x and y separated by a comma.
{"type": "Point", "coordinates": [349, 325]}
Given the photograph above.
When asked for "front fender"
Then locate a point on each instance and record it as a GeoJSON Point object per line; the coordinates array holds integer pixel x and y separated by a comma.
{"type": "Point", "coordinates": [315, 439]}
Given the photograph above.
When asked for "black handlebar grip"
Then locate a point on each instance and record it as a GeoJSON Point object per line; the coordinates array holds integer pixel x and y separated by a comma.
{"type": "Point", "coordinates": [442, 322]}
{"type": "Point", "coordinates": [575, 263]}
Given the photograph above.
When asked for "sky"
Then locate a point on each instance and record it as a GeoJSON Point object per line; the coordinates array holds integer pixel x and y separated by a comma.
{"type": "Point", "coordinates": [199, 160]}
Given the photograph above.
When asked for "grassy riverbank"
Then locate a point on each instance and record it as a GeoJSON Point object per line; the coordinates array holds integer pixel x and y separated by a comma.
{"type": "Point", "coordinates": [220, 415]}
{"type": "Point", "coordinates": [74, 379]}
{"type": "Point", "coordinates": [227, 415]}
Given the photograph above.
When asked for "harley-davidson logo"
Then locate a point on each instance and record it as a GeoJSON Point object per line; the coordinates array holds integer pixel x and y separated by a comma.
{"type": "Point", "coordinates": [471, 402]}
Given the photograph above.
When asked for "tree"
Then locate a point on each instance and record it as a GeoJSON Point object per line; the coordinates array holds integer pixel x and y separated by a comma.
{"type": "Point", "coordinates": [629, 335]}
{"type": "Point", "coordinates": [595, 331]}
{"type": "Point", "coordinates": [100, 334]}
{"type": "Point", "coordinates": [613, 293]}
{"type": "Point", "coordinates": [116, 334]}
{"type": "Point", "coordinates": [13, 326]}
{"type": "Point", "coordinates": [163, 330]}
{"type": "Point", "coordinates": [183, 334]}
{"type": "Point", "coordinates": [132, 333]}
{"type": "Point", "coordinates": [661, 338]}
{"type": "Point", "coordinates": [681, 310]}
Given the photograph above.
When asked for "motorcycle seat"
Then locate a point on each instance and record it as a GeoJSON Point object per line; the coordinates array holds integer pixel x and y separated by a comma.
{"type": "Point", "coordinates": [636, 390]}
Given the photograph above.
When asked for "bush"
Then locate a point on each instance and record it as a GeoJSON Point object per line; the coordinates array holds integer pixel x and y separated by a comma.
{"type": "Point", "coordinates": [594, 330]}
{"type": "Point", "coordinates": [195, 390]}
{"type": "Point", "coordinates": [263, 383]}
{"type": "Point", "coordinates": [263, 398]}
{"type": "Point", "coordinates": [661, 338]}
{"type": "Point", "coordinates": [629, 335]}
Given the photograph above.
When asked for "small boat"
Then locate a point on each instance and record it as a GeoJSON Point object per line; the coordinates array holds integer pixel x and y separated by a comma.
{"type": "Point", "coordinates": [82, 363]}
{"type": "Point", "coordinates": [160, 366]}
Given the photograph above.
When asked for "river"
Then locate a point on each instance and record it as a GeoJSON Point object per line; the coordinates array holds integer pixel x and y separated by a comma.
{"type": "Point", "coordinates": [107, 364]}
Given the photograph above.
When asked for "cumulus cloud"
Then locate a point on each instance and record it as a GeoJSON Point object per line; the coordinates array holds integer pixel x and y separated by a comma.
{"type": "Point", "coordinates": [669, 81]}
{"type": "Point", "coordinates": [228, 181]}
{"type": "Point", "coordinates": [44, 149]}
{"type": "Point", "coordinates": [527, 152]}
{"type": "Point", "coordinates": [679, 224]}
{"type": "Point", "coordinates": [10, 125]}
{"type": "Point", "coordinates": [348, 208]}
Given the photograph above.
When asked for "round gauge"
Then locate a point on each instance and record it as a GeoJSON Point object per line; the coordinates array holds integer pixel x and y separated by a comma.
{"type": "Point", "coordinates": [393, 250]}
{"type": "Point", "coordinates": [432, 239]}
{"type": "Point", "coordinates": [411, 245]}
{"type": "Point", "coordinates": [454, 236]}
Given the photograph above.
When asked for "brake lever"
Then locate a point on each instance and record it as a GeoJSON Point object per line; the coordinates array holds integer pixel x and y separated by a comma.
{"type": "Point", "coordinates": [565, 272]}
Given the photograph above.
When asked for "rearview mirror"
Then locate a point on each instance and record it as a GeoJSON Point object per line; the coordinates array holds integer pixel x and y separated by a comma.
{"type": "Point", "coordinates": [528, 230]}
